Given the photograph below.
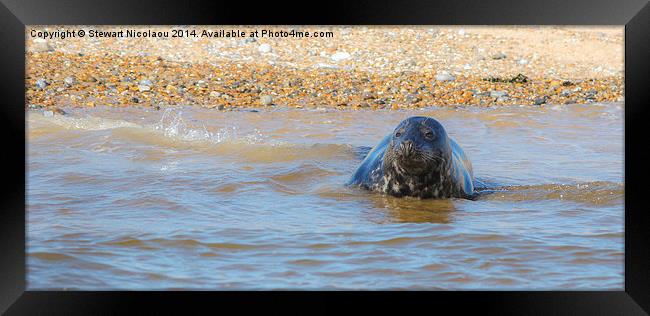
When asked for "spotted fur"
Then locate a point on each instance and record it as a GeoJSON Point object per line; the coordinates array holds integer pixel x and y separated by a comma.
{"type": "Point", "coordinates": [417, 159]}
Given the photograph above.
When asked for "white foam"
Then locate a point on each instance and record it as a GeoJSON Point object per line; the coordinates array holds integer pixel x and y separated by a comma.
{"type": "Point", "coordinates": [173, 125]}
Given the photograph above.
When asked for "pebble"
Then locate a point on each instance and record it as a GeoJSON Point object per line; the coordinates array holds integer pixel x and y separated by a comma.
{"type": "Point", "coordinates": [146, 82]}
{"type": "Point", "coordinates": [69, 81]}
{"type": "Point", "coordinates": [41, 46]}
{"type": "Point", "coordinates": [266, 100]}
{"type": "Point", "coordinates": [143, 88]}
{"type": "Point", "coordinates": [338, 56]}
{"type": "Point", "coordinates": [41, 83]}
{"type": "Point", "coordinates": [540, 101]}
{"type": "Point", "coordinates": [326, 66]}
{"type": "Point", "coordinates": [445, 77]}
{"type": "Point", "coordinates": [368, 96]}
{"type": "Point", "coordinates": [498, 94]}
{"type": "Point", "coordinates": [412, 98]}
{"type": "Point", "coordinates": [58, 111]}
{"type": "Point", "coordinates": [264, 48]}
{"type": "Point", "coordinates": [503, 99]}
{"type": "Point", "coordinates": [215, 94]}
{"type": "Point", "coordinates": [498, 56]}
{"type": "Point", "coordinates": [522, 61]}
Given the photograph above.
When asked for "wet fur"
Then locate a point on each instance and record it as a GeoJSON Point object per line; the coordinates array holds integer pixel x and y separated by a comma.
{"type": "Point", "coordinates": [447, 172]}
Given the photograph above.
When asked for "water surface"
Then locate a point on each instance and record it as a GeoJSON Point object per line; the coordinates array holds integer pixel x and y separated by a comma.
{"type": "Point", "coordinates": [190, 198]}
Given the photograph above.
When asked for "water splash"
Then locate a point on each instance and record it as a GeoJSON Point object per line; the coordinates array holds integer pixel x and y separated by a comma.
{"type": "Point", "coordinates": [173, 125]}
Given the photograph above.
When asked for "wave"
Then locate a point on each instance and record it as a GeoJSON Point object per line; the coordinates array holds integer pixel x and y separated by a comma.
{"type": "Point", "coordinates": [174, 131]}
{"type": "Point", "coordinates": [595, 192]}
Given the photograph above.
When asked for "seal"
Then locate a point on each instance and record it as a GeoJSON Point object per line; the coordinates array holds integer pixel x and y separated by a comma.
{"type": "Point", "coordinates": [417, 159]}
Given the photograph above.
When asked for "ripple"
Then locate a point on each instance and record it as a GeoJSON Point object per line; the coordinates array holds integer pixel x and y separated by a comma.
{"type": "Point", "coordinates": [51, 256]}
{"type": "Point", "coordinates": [308, 262]}
{"type": "Point", "coordinates": [594, 193]}
{"type": "Point", "coordinates": [391, 241]}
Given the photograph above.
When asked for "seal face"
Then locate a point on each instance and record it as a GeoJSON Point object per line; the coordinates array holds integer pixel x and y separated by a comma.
{"type": "Point", "coordinates": [417, 159]}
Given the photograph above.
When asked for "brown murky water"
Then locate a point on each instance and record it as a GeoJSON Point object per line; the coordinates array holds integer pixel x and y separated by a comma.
{"type": "Point", "coordinates": [188, 198]}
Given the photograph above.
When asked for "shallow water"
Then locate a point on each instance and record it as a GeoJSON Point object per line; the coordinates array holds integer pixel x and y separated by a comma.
{"type": "Point", "coordinates": [189, 198]}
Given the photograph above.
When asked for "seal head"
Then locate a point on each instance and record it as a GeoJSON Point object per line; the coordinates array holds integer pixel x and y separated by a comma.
{"type": "Point", "coordinates": [418, 146]}
{"type": "Point", "coordinates": [417, 159]}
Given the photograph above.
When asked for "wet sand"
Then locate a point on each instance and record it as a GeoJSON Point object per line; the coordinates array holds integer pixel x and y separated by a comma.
{"type": "Point", "coordinates": [359, 67]}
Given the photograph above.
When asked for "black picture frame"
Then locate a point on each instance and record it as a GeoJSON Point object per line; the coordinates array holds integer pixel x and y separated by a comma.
{"type": "Point", "coordinates": [634, 14]}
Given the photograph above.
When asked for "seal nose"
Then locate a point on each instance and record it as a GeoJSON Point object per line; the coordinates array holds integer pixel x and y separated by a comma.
{"type": "Point", "coordinates": [407, 147]}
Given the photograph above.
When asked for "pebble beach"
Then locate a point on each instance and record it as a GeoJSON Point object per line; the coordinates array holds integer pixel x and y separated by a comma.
{"type": "Point", "coordinates": [357, 67]}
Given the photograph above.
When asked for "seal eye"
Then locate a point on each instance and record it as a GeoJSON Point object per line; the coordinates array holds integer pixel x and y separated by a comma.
{"type": "Point", "coordinates": [398, 134]}
{"type": "Point", "coordinates": [428, 134]}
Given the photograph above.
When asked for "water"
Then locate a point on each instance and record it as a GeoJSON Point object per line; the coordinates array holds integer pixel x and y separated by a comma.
{"type": "Point", "coordinates": [189, 198]}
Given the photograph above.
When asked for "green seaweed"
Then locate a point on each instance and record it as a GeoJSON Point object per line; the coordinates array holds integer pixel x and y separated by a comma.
{"type": "Point", "coordinates": [516, 79]}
